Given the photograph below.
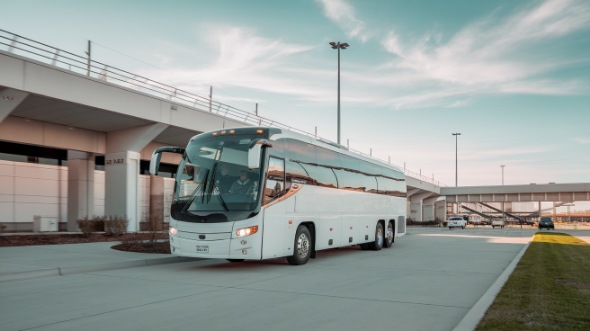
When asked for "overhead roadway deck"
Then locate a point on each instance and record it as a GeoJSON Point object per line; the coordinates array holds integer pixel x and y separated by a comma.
{"type": "Point", "coordinates": [518, 193]}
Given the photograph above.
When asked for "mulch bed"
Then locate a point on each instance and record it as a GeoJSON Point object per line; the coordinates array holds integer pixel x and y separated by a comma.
{"type": "Point", "coordinates": [129, 242]}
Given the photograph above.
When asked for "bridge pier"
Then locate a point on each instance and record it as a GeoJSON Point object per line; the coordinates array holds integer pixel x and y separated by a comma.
{"type": "Point", "coordinates": [122, 171]}
{"type": "Point", "coordinates": [80, 188]}
{"type": "Point", "coordinates": [416, 200]}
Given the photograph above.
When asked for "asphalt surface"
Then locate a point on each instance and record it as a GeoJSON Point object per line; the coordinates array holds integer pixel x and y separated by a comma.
{"type": "Point", "coordinates": [433, 279]}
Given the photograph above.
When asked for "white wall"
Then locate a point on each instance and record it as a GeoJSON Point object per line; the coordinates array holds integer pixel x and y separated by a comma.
{"type": "Point", "coordinates": [29, 189]}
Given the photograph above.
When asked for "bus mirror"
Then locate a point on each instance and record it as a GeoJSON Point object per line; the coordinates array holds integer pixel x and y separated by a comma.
{"type": "Point", "coordinates": [254, 156]}
{"type": "Point", "coordinates": [157, 156]}
{"type": "Point", "coordinates": [154, 163]}
{"type": "Point", "coordinates": [255, 152]}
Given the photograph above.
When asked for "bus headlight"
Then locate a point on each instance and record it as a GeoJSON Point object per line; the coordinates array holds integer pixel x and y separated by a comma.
{"type": "Point", "coordinates": [172, 231]}
{"type": "Point", "coordinates": [244, 232]}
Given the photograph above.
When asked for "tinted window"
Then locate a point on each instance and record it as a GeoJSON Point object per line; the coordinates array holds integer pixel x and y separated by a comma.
{"type": "Point", "coordinates": [296, 174]}
{"type": "Point", "coordinates": [300, 151]}
{"type": "Point", "coordinates": [322, 176]}
{"type": "Point", "coordinates": [327, 157]}
{"type": "Point", "coordinates": [275, 180]}
{"type": "Point", "coordinates": [389, 186]}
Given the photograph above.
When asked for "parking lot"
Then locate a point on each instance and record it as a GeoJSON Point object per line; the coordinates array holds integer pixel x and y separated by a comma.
{"type": "Point", "coordinates": [430, 279]}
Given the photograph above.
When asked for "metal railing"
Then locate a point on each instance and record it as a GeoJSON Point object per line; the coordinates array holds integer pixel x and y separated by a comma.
{"type": "Point", "coordinates": [34, 50]}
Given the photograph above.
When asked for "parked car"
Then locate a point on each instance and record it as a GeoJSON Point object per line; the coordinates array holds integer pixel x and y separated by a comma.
{"type": "Point", "coordinates": [547, 223]}
{"type": "Point", "coordinates": [456, 221]}
{"type": "Point", "coordinates": [498, 222]}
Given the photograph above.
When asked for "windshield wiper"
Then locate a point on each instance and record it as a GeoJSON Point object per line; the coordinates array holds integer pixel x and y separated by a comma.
{"type": "Point", "coordinates": [202, 186]}
{"type": "Point", "coordinates": [213, 186]}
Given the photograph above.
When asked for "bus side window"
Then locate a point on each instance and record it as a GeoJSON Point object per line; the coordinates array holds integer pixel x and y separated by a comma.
{"type": "Point", "coordinates": [275, 180]}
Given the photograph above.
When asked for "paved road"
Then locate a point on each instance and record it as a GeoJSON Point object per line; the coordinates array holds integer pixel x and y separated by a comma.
{"type": "Point", "coordinates": [429, 280]}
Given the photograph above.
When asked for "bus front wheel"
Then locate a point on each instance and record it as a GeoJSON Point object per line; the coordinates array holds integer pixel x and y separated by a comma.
{"type": "Point", "coordinates": [378, 243]}
{"type": "Point", "coordinates": [302, 247]}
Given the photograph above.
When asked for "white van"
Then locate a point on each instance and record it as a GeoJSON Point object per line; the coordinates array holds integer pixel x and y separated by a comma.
{"type": "Point", "coordinates": [456, 221]}
{"type": "Point", "coordinates": [498, 223]}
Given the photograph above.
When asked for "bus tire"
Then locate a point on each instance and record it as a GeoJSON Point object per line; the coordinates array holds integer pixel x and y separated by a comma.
{"type": "Point", "coordinates": [378, 243]}
{"type": "Point", "coordinates": [302, 247]}
{"type": "Point", "coordinates": [389, 235]}
{"type": "Point", "coordinates": [235, 260]}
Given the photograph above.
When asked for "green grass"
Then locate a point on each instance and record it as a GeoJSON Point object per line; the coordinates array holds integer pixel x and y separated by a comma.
{"type": "Point", "coordinates": [548, 290]}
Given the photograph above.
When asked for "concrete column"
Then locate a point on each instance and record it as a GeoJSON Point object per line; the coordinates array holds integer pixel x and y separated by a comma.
{"type": "Point", "coordinates": [9, 100]}
{"type": "Point", "coordinates": [122, 171]}
{"type": "Point", "coordinates": [156, 203]}
{"type": "Point", "coordinates": [80, 188]}
{"type": "Point", "coordinates": [428, 208]}
{"type": "Point", "coordinates": [440, 209]}
{"type": "Point", "coordinates": [416, 207]}
{"type": "Point", "coordinates": [121, 187]}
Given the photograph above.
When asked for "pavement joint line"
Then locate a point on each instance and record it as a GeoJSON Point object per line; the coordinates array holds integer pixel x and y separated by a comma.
{"type": "Point", "coordinates": [236, 287]}
{"type": "Point", "coordinates": [64, 271]}
{"type": "Point", "coordinates": [470, 321]}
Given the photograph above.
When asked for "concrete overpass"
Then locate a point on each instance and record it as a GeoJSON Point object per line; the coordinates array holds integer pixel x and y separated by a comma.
{"type": "Point", "coordinates": [519, 193]}
{"type": "Point", "coordinates": [53, 98]}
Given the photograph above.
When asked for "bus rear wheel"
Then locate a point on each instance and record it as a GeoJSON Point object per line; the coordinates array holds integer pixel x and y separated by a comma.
{"type": "Point", "coordinates": [302, 247]}
{"type": "Point", "coordinates": [389, 235]}
{"type": "Point", "coordinates": [378, 243]}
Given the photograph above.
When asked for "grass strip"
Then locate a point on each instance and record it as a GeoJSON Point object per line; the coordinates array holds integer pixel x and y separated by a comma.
{"type": "Point", "coordinates": [548, 290]}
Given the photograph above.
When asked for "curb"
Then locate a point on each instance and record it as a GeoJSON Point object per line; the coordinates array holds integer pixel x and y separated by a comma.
{"type": "Point", "coordinates": [475, 314]}
{"type": "Point", "coordinates": [63, 271]}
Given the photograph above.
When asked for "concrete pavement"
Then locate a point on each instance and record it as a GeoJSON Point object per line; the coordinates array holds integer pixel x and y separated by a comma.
{"type": "Point", "coordinates": [451, 276]}
{"type": "Point", "coordinates": [21, 262]}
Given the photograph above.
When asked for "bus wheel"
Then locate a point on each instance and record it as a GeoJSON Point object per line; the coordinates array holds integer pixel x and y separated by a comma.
{"type": "Point", "coordinates": [378, 243]}
{"type": "Point", "coordinates": [388, 236]}
{"type": "Point", "coordinates": [235, 260]}
{"type": "Point", "coordinates": [302, 247]}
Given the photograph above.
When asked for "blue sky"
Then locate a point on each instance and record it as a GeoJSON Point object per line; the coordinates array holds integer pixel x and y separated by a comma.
{"type": "Point", "coordinates": [513, 77]}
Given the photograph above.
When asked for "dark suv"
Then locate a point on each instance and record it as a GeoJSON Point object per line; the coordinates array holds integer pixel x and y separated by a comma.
{"type": "Point", "coordinates": [546, 223]}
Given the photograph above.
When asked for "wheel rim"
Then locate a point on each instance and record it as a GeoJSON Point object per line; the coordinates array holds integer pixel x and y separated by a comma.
{"type": "Point", "coordinates": [379, 235]}
{"type": "Point", "coordinates": [389, 233]}
{"type": "Point", "coordinates": [302, 246]}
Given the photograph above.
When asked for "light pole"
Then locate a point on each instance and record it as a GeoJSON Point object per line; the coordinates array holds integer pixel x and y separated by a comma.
{"type": "Point", "coordinates": [456, 171]}
{"type": "Point", "coordinates": [338, 46]}
{"type": "Point", "coordinates": [502, 166]}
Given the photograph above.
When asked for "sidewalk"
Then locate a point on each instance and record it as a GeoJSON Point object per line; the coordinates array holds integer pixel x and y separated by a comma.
{"type": "Point", "coordinates": [58, 260]}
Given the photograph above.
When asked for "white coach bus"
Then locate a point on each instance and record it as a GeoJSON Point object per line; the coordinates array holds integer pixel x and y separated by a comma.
{"type": "Point", "coordinates": [259, 193]}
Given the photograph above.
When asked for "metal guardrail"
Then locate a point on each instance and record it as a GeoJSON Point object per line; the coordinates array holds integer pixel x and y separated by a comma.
{"type": "Point", "coordinates": [59, 58]}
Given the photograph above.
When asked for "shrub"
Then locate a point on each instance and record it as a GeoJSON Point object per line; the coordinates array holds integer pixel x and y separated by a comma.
{"type": "Point", "coordinates": [87, 226]}
{"type": "Point", "coordinates": [115, 225]}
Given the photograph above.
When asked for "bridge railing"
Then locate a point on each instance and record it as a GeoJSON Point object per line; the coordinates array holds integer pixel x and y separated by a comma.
{"type": "Point", "coordinates": [65, 60]}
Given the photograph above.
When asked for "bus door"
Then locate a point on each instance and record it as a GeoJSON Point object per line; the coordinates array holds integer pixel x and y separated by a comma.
{"type": "Point", "coordinates": [274, 210]}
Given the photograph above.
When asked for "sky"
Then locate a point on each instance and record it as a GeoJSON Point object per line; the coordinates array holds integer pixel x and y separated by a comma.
{"type": "Point", "coordinates": [513, 77]}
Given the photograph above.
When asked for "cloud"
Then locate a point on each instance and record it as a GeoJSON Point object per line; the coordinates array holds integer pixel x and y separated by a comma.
{"type": "Point", "coordinates": [495, 55]}
{"type": "Point", "coordinates": [343, 14]}
{"type": "Point", "coordinates": [243, 59]}
{"type": "Point", "coordinates": [582, 140]}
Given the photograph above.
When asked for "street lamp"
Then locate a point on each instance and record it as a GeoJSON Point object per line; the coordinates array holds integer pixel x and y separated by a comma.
{"type": "Point", "coordinates": [456, 171]}
{"type": "Point", "coordinates": [502, 166]}
{"type": "Point", "coordinates": [338, 46]}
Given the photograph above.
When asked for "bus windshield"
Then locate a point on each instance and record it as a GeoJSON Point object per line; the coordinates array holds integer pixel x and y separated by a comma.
{"type": "Point", "coordinates": [214, 183]}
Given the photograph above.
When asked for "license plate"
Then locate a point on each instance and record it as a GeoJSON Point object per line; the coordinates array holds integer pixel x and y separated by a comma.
{"type": "Point", "coordinates": [202, 248]}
